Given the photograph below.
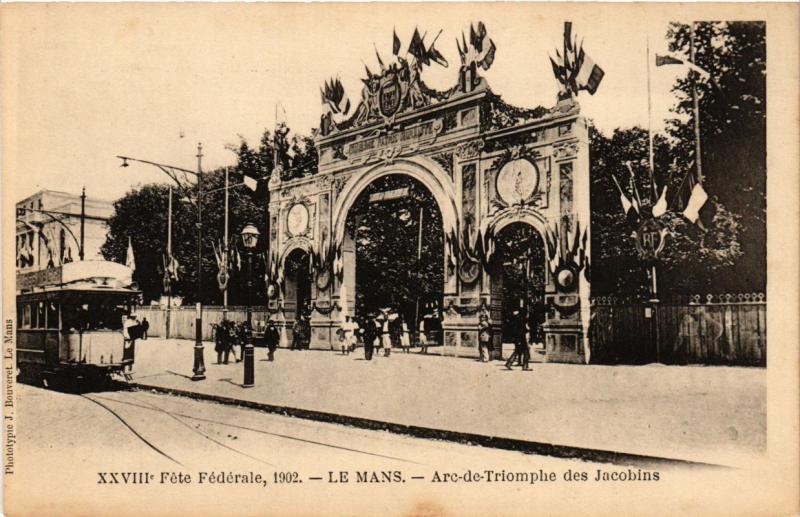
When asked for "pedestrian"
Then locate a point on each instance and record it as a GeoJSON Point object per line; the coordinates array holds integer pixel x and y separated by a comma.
{"type": "Point", "coordinates": [405, 338]}
{"type": "Point", "coordinates": [351, 334]}
{"type": "Point", "coordinates": [272, 336]}
{"type": "Point", "coordinates": [370, 333]}
{"type": "Point", "coordinates": [233, 337]}
{"type": "Point", "coordinates": [297, 334]}
{"type": "Point", "coordinates": [396, 328]}
{"type": "Point", "coordinates": [306, 331]}
{"type": "Point", "coordinates": [145, 327]}
{"type": "Point", "coordinates": [386, 336]}
{"type": "Point", "coordinates": [484, 335]}
{"type": "Point", "coordinates": [131, 331]}
{"type": "Point", "coordinates": [520, 344]}
{"type": "Point", "coordinates": [220, 345]}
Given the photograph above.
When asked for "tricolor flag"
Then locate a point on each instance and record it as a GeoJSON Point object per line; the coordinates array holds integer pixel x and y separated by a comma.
{"type": "Point", "coordinates": [660, 207]}
{"type": "Point", "coordinates": [697, 199]}
{"type": "Point", "coordinates": [589, 75]}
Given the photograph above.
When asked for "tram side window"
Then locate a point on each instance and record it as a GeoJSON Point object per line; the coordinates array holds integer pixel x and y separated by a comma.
{"type": "Point", "coordinates": [32, 314]}
{"type": "Point", "coordinates": [41, 311]}
{"type": "Point", "coordinates": [94, 315]}
{"type": "Point", "coordinates": [52, 315]}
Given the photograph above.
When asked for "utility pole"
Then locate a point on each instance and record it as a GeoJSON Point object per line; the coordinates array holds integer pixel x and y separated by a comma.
{"type": "Point", "coordinates": [83, 220]}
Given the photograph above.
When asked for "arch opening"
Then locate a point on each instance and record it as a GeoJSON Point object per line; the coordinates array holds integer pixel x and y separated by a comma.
{"type": "Point", "coordinates": [519, 278]}
{"type": "Point", "coordinates": [297, 296]}
{"type": "Point", "coordinates": [395, 230]}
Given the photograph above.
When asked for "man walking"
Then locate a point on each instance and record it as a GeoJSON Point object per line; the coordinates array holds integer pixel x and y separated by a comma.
{"type": "Point", "coordinates": [297, 334]}
{"type": "Point", "coordinates": [272, 336]}
{"type": "Point", "coordinates": [520, 344]}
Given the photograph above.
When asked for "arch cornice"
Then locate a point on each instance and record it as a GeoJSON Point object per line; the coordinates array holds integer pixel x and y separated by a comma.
{"type": "Point", "coordinates": [424, 170]}
{"type": "Point", "coordinates": [517, 214]}
{"type": "Point", "coordinates": [300, 242]}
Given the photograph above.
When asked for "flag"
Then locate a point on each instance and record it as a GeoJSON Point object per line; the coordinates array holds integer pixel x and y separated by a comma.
{"type": "Point", "coordinates": [672, 60]}
{"type": "Point", "coordinates": [558, 71]}
{"type": "Point", "coordinates": [626, 203]}
{"type": "Point", "coordinates": [661, 205]}
{"type": "Point", "coordinates": [417, 48]}
{"type": "Point", "coordinates": [589, 75]}
{"type": "Point", "coordinates": [335, 97]}
{"type": "Point", "coordinates": [486, 58]}
{"type": "Point", "coordinates": [129, 260]}
{"type": "Point", "coordinates": [377, 54]}
{"type": "Point", "coordinates": [697, 199]}
{"type": "Point", "coordinates": [667, 60]}
{"type": "Point", "coordinates": [434, 55]}
{"type": "Point", "coordinates": [250, 183]}
{"type": "Point", "coordinates": [395, 43]}
{"type": "Point", "coordinates": [568, 36]}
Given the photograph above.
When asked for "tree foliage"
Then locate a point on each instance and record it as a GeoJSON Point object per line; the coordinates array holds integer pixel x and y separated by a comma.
{"type": "Point", "coordinates": [732, 132]}
{"type": "Point", "coordinates": [386, 236]}
{"type": "Point", "coordinates": [730, 254]}
{"type": "Point", "coordinates": [141, 214]}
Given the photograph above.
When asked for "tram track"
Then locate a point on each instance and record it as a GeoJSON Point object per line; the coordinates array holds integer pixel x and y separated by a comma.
{"type": "Point", "coordinates": [135, 401]}
{"type": "Point", "coordinates": [131, 428]}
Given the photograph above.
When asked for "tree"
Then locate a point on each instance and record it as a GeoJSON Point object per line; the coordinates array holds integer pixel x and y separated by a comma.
{"type": "Point", "coordinates": [141, 214]}
{"type": "Point", "coordinates": [386, 236]}
{"type": "Point", "coordinates": [732, 133]}
{"type": "Point", "coordinates": [691, 256]}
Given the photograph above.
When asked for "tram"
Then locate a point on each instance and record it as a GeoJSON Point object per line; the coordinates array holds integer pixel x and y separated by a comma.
{"type": "Point", "coordinates": [73, 320]}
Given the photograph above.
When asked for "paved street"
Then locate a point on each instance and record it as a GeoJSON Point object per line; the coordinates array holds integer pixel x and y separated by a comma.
{"type": "Point", "coordinates": [65, 440]}
{"type": "Point", "coordinates": [705, 414]}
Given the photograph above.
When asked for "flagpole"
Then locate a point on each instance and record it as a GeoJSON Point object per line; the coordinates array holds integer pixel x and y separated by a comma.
{"type": "Point", "coordinates": [695, 102]}
{"type": "Point", "coordinates": [168, 272]}
{"type": "Point", "coordinates": [419, 259]}
{"type": "Point", "coordinates": [225, 250]}
{"type": "Point", "coordinates": [650, 127]}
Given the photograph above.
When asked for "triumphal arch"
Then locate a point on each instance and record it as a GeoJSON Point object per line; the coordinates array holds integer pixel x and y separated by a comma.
{"type": "Point", "coordinates": [489, 166]}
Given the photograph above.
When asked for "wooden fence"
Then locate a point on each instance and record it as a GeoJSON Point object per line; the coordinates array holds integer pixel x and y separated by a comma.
{"type": "Point", "coordinates": [711, 329]}
{"type": "Point", "coordinates": [722, 329]}
{"type": "Point", "coordinates": [182, 320]}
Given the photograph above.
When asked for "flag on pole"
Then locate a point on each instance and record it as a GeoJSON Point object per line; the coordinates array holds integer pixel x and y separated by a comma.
{"type": "Point", "coordinates": [589, 75]}
{"type": "Point", "coordinates": [251, 183]}
{"type": "Point", "coordinates": [626, 203]}
{"type": "Point", "coordinates": [395, 43]}
{"type": "Point", "coordinates": [660, 207]}
{"type": "Point", "coordinates": [129, 259]}
{"type": "Point", "coordinates": [672, 60]}
{"type": "Point", "coordinates": [697, 199]}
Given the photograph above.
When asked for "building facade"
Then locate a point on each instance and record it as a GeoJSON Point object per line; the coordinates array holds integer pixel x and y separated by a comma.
{"type": "Point", "coordinates": [487, 165]}
{"type": "Point", "coordinates": [49, 229]}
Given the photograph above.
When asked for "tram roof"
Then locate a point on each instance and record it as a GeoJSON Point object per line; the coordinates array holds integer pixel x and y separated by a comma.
{"type": "Point", "coordinates": [85, 276]}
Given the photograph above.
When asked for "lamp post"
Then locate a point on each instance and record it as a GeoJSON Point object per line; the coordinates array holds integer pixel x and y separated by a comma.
{"type": "Point", "coordinates": [249, 240]}
{"type": "Point", "coordinates": [177, 174]}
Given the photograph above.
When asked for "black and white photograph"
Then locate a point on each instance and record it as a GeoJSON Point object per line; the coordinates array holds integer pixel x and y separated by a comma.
{"type": "Point", "coordinates": [400, 259]}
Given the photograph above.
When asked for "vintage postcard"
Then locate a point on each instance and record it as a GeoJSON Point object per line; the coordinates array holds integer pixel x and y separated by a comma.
{"type": "Point", "coordinates": [400, 259]}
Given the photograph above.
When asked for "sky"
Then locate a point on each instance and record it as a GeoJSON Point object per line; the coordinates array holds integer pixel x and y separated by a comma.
{"type": "Point", "coordinates": [89, 82]}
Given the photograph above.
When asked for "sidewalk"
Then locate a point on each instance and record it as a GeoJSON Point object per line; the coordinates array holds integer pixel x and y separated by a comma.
{"type": "Point", "coordinates": [700, 414]}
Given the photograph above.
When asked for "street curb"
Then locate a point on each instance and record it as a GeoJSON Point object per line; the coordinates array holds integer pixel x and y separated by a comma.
{"type": "Point", "coordinates": [496, 442]}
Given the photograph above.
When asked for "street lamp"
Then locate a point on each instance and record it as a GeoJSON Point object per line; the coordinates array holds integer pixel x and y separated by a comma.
{"type": "Point", "coordinates": [175, 173]}
{"type": "Point", "coordinates": [249, 239]}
